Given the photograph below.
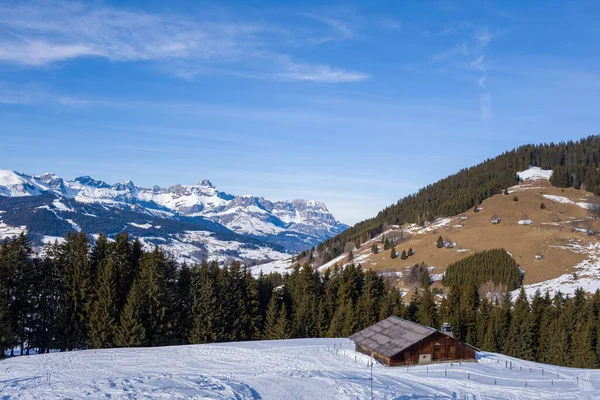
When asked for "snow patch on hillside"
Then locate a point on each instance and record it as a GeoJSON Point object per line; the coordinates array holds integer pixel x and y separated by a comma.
{"type": "Point", "coordinates": [535, 174]}
{"type": "Point", "coordinates": [61, 206]}
{"type": "Point", "coordinates": [586, 276]}
{"type": "Point", "coordinates": [141, 226]}
{"type": "Point", "coordinates": [53, 239]}
{"type": "Point", "coordinates": [283, 369]}
{"type": "Point", "coordinates": [280, 266]}
{"type": "Point", "coordinates": [7, 231]}
{"type": "Point", "coordinates": [565, 200]}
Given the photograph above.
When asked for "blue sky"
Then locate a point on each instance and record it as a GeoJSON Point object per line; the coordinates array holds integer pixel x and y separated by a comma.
{"type": "Point", "coordinates": [354, 104]}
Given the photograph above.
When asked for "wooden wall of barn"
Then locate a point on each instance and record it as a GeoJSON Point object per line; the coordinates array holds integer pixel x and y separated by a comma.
{"type": "Point", "coordinates": [441, 347]}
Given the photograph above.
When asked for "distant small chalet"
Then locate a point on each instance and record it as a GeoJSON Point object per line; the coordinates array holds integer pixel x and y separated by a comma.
{"type": "Point", "coordinates": [396, 341]}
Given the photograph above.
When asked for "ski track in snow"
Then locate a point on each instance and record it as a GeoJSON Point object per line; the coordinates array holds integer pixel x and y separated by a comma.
{"type": "Point", "coordinates": [284, 369]}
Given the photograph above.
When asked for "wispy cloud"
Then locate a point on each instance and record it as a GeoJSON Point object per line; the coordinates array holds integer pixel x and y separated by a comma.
{"type": "Point", "coordinates": [321, 73]}
{"type": "Point", "coordinates": [460, 50]}
{"type": "Point", "coordinates": [39, 33]}
{"type": "Point", "coordinates": [341, 23]}
{"type": "Point", "coordinates": [14, 94]}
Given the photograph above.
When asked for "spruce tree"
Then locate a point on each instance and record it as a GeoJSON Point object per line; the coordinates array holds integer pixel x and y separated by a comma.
{"type": "Point", "coordinates": [151, 290]}
{"type": "Point", "coordinates": [73, 266]}
{"type": "Point", "coordinates": [582, 351]}
{"type": "Point", "coordinates": [131, 332]}
{"type": "Point", "coordinates": [427, 313]}
{"type": "Point", "coordinates": [282, 329]}
{"type": "Point", "coordinates": [490, 342]}
{"type": "Point", "coordinates": [440, 242]}
{"type": "Point", "coordinates": [403, 255]}
{"type": "Point", "coordinates": [272, 319]}
{"type": "Point", "coordinates": [6, 334]}
{"type": "Point", "coordinates": [103, 310]}
{"type": "Point", "coordinates": [374, 249]}
{"type": "Point", "coordinates": [393, 254]}
{"type": "Point", "coordinates": [519, 341]}
{"type": "Point", "coordinates": [203, 318]}
{"type": "Point", "coordinates": [350, 256]}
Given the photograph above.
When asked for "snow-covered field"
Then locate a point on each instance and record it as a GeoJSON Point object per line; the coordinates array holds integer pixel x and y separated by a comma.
{"type": "Point", "coordinates": [286, 369]}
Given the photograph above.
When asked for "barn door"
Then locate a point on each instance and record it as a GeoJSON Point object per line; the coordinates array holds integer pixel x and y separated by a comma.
{"type": "Point", "coordinates": [436, 351]}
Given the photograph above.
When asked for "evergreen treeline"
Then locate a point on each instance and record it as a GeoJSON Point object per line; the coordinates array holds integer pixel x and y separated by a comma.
{"type": "Point", "coordinates": [115, 294]}
{"type": "Point", "coordinates": [494, 265]}
{"type": "Point", "coordinates": [575, 164]}
{"type": "Point", "coordinates": [555, 330]}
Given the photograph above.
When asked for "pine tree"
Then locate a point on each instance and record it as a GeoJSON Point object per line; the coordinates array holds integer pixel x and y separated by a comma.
{"type": "Point", "coordinates": [282, 329]}
{"type": "Point", "coordinates": [440, 242]}
{"type": "Point", "coordinates": [393, 254]}
{"type": "Point", "coordinates": [6, 334]}
{"type": "Point", "coordinates": [387, 244]}
{"type": "Point", "coordinates": [350, 256]}
{"type": "Point", "coordinates": [558, 349]}
{"type": "Point", "coordinates": [369, 302]}
{"type": "Point", "coordinates": [103, 309]}
{"type": "Point", "coordinates": [183, 303]}
{"type": "Point", "coordinates": [490, 342]}
{"type": "Point", "coordinates": [152, 295]}
{"type": "Point", "coordinates": [410, 251]}
{"type": "Point", "coordinates": [427, 313]}
{"type": "Point", "coordinates": [374, 249]}
{"type": "Point", "coordinates": [46, 304]}
{"type": "Point", "coordinates": [272, 319]}
{"type": "Point", "coordinates": [583, 355]}
{"type": "Point", "coordinates": [403, 255]}
{"type": "Point", "coordinates": [71, 259]}
{"type": "Point", "coordinates": [252, 313]}
{"type": "Point", "coordinates": [131, 332]}
{"type": "Point", "coordinates": [519, 341]}
{"type": "Point", "coordinates": [100, 251]}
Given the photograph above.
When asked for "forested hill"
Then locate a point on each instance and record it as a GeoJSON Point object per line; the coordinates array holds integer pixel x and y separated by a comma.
{"type": "Point", "coordinates": [574, 164]}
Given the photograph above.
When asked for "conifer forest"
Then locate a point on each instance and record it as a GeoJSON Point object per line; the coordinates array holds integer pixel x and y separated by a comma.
{"type": "Point", "coordinates": [115, 294]}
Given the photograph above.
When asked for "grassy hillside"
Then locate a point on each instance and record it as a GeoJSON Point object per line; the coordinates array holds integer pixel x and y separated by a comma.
{"type": "Point", "coordinates": [575, 163]}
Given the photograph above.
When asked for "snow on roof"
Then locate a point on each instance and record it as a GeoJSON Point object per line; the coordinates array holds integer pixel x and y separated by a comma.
{"type": "Point", "coordinates": [392, 335]}
{"type": "Point", "coordinates": [534, 174]}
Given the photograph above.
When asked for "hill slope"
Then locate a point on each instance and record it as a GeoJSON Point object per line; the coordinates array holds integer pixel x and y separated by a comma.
{"type": "Point", "coordinates": [552, 245]}
{"type": "Point", "coordinates": [286, 369]}
{"type": "Point", "coordinates": [576, 164]}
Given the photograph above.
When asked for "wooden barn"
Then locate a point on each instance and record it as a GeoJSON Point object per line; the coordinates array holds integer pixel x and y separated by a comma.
{"type": "Point", "coordinates": [396, 341]}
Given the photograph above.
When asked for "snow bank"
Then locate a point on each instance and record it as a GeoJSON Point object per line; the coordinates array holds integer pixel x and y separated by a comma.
{"type": "Point", "coordinates": [525, 222]}
{"type": "Point", "coordinates": [534, 174]}
{"type": "Point", "coordinates": [284, 369]}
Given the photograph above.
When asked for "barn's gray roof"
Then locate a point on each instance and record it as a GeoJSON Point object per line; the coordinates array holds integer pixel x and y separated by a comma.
{"type": "Point", "coordinates": [392, 335]}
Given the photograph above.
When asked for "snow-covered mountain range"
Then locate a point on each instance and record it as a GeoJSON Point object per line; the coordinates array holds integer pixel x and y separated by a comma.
{"type": "Point", "coordinates": [198, 215]}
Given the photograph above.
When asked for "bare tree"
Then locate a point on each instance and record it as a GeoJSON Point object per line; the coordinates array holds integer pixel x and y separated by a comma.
{"type": "Point", "coordinates": [593, 206]}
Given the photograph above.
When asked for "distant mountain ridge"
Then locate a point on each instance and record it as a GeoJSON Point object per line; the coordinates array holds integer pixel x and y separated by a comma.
{"type": "Point", "coordinates": [285, 225]}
